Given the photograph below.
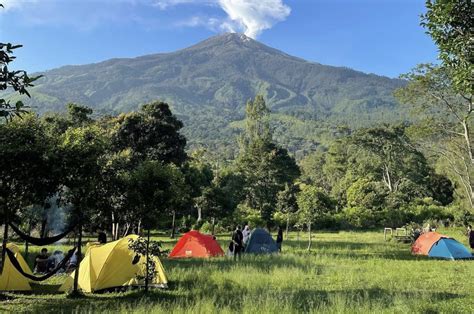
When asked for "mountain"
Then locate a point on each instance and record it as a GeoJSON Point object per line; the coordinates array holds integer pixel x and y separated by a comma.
{"type": "Point", "coordinates": [209, 83]}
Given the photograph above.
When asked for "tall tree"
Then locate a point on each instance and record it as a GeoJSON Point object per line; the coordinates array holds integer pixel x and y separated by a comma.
{"type": "Point", "coordinates": [27, 167]}
{"type": "Point", "coordinates": [313, 203]}
{"type": "Point", "coordinates": [265, 166]}
{"type": "Point", "coordinates": [287, 204]}
{"type": "Point", "coordinates": [395, 157]}
{"type": "Point", "coordinates": [450, 25]}
{"type": "Point", "coordinates": [199, 176]}
{"type": "Point", "coordinates": [442, 95]}
{"type": "Point", "coordinates": [81, 148]}
{"type": "Point", "coordinates": [152, 133]}
{"type": "Point", "coordinates": [155, 189]}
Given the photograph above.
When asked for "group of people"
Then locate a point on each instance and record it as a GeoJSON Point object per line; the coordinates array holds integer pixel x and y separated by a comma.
{"type": "Point", "coordinates": [240, 240]}
{"type": "Point", "coordinates": [45, 263]}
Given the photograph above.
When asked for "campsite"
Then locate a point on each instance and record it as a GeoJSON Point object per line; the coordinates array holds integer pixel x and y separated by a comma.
{"type": "Point", "coordinates": [236, 156]}
{"type": "Point", "coordinates": [347, 272]}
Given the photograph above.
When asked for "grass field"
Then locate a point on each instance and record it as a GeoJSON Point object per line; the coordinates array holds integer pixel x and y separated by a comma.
{"type": "Point", "coordinates": [346, 272]}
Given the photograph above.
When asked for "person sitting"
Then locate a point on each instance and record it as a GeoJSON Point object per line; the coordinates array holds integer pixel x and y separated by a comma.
{"type": "Point", "coordinates": [41, 261]}
{"type": "Point", "coordinates": [73, 261]}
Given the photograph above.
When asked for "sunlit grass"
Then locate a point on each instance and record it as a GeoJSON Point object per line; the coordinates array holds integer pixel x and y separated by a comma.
{"type": "Point", "coordinates": [346, 272]}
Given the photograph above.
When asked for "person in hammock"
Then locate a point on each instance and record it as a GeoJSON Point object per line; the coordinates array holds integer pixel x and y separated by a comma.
{"type": "Point", "coordinates": [73, 262]}
{"type": "Point", "coordinates": [41, 262]}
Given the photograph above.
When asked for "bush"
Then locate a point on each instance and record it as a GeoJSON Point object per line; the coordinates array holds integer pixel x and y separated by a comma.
{"type": "Point", "coordinates": [328, 222]}
{"type": "Point", "coordinates": [461, 216]}
{"type": "Point", "coordinates": [249, 215]}
{"type": "Point", "coordinates": [361, 217]}
{"type": "Point", "coordinates": [423, 210]}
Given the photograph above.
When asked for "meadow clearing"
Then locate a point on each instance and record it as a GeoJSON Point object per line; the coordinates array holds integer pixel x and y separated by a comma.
{"type": "Point", "coordinates": [346, 272]}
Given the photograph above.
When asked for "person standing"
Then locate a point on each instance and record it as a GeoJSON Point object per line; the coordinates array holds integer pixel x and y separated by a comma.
{"type": "Point", "coordinates": [470, 236]}
{"type": "Point", "coordinates": [237, 240]}
{"type": "Point", "coordinates": [246, 235]}
{"type": "Point", "coordinates": [279, 238]}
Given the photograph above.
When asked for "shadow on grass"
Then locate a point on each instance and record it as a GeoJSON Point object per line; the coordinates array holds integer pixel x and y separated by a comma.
{"type": "Point", "coordinates": [231, 296]}
{"type": "Point", "coordinates": [307, 300]}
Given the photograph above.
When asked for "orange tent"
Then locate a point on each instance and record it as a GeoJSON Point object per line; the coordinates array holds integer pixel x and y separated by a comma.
{"type": "Point", "coordinates": [425, 241]}
{"type": "Point", "coordinates": [196, 244]}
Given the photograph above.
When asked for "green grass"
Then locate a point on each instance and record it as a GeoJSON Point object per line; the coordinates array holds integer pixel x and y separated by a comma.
{"type": "Point", "coordinates": [346, 272]}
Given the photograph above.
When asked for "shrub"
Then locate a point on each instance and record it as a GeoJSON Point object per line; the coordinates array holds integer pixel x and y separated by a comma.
{"type": "Point", "coordinates": [361, 217]}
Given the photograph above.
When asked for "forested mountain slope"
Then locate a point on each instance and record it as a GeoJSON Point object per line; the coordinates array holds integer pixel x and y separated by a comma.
{"type": "Point", "coordinates": [208, 84]}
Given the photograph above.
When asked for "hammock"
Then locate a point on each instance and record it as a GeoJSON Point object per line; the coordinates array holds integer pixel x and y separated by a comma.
{"type": "Point", "coordinates": [41, 241]}
{"type": "Point", "coordinates": [17, 265]}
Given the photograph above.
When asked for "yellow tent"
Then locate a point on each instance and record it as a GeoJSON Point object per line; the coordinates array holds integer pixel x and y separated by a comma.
{"type": "Point", "coordinates": [112, 265]}
{"type": "Point", "coordinates": [11, 279]}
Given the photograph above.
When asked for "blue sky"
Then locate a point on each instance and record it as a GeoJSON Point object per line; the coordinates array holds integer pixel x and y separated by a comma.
{"type": "Point", "coordinates": [374, 36]}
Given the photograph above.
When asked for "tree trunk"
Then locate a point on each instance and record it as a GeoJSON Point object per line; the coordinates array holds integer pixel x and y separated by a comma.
{"type": "Point", "coordinates": [467, 138]}
{"type": "Point", "coordinates": [27, 245]}
{"type": "Point", "coordinates": [387, 179]}
{"type": "Point", "coordinates": [139, 226]}
{"type": "Point", "coordinates": [79, 258]}
{"type": "Point", "coordinates": [213, 225]}
{"type": "Point", "coordinates": [5, 241]}
{"type": "Point", "coordinates": [43, 229]}
{"type": "Point", "coordinates": [113, 227]}
{"type": "Point", "coordinates": [117, 226]}
{"type": "Point", "coordinates": [147, 260]}
{"type": "Point", "coordinates": [173, 227]}
{"type": "Point", "coordinates": [309, 236]}
{"type": "Point", "coordinates": [199, 214]}
{"type": "Point", "coordinates": [127, 227]}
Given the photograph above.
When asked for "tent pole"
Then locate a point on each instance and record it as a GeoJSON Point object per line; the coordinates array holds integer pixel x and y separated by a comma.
{"type": "Point", "coordinates": [79, 255]}
{"type": "Point", "coordinates": [147, 260]}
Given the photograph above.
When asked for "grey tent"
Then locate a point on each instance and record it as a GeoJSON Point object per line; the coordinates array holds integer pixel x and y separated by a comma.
{"type": "Point", "coordinates": [261, 242]}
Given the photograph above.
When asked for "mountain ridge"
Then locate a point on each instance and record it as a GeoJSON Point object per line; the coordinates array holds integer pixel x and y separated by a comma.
{"type": "Point", "coordinates": [208, 84]}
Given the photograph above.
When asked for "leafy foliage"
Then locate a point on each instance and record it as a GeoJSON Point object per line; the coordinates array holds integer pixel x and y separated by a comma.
{"type": "Point", "coordinates": [140, 246]}
{"type": "Point", "coordinates": [18, 80]}
{"type": "Point", "coordinates": [265, 166]}
{"type": "Point", "coordinates": [450, 24]}
{"type": "Point", "coordinates": [152, 133]}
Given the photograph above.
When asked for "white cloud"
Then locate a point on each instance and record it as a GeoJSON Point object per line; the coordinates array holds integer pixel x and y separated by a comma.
{"type": "Point", "coordinates": [249, 16]}
{"type": "Point", "coordinates": [255, 16]}
{"type": "Point", "coordinates": [165, 4]}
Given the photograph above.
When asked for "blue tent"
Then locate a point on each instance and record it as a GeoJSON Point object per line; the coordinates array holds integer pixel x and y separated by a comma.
{"type": "Point", "coordinates": [261, 242]}
{"type": "Point", "coordinates": [449, 249]}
